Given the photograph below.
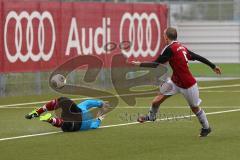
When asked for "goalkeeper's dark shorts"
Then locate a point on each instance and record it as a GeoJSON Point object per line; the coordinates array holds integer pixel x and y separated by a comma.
{"type": "Point", "coordinates": [71, 114]}
{"type": "Point", "coordinates": [71, 126]}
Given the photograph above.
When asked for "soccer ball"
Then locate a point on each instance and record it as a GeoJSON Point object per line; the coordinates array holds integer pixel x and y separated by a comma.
{"type": "Point", "coordinates": [58, 81]}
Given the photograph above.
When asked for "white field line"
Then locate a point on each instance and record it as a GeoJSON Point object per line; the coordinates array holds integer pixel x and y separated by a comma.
{"type": "Point", "coordinates": [139, 107]}
{"type": "Point", "coordinates": [42, 102]}
{"type": "Point", "coordinates": [220, 91]}
{"type": "Point", "coordinates": [30, 135]}
{"type": "Point", "coordinates": [221, 86]}
{"type": "Point", "coordinates": [117, 125]}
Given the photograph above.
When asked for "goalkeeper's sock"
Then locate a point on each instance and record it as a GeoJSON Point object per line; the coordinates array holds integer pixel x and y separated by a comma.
{"type": "Point", "coordinates": [202, 119]}
{"type": "Point", "coordinates": [49, 106]}
{"type": "Point", "coordinates": [57, 122]}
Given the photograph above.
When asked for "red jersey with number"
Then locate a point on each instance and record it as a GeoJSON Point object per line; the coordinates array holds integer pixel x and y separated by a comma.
{"type": "Point", "coordinates": [181, 76]}
{"type": "Point", "coordinates": [177, 56]}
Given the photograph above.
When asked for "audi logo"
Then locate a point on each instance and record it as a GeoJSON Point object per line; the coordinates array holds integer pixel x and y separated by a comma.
{"type": "Point", "coordinates": [19, 37]}
{"type": "Point", "coordinates": [146, 45]}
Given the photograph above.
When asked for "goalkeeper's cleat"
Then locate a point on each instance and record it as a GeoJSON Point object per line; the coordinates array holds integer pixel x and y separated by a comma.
{"type": "Point", "coordinates": [32, 114]}
{"type": "Point", "coordinates": [205, 132]}
{"type": "Point", "coordinates": [46, 118]}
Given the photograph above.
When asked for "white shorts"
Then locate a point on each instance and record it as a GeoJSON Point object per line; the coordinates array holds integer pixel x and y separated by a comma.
{"type": "Point", "coordinates": [191, 94]}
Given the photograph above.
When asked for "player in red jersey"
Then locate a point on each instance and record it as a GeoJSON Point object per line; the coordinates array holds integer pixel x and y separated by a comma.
{"type": "Point", "coordinates": [182, 80]}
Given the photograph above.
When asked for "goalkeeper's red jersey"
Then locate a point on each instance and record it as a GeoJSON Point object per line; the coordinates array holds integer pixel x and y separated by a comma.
{"type": "Point", "coordinates": [181, 76]}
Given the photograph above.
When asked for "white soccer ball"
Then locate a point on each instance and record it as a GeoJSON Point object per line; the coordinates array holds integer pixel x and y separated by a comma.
{"type": "Point", "coordinates": [58, 81]}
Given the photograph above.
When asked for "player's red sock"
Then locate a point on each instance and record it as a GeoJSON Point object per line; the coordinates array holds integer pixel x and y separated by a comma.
{"type": "Point", "coordinates": [57, 122]}
{"type": "Point", "coordinates": [51, 105]}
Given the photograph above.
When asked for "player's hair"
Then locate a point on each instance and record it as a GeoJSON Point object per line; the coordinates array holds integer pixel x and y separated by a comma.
{"type": "Point", "coordinates": [171, 33]}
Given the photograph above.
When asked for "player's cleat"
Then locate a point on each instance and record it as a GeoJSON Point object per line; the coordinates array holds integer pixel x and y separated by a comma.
{"type": "Point", "coordinates": [32, 114]}
{"type": "Point", "coordinates": [205, 132]}
{"type": "Point", "coordinates": [144, 118]}
{"type": "Point", "coordinates": [150, 117]}
{"type": "Point", "coordinates": [46, 117]}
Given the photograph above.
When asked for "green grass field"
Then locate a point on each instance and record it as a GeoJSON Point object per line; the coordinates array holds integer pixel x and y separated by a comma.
{"type": "Point", "coordinates": [169, 139]}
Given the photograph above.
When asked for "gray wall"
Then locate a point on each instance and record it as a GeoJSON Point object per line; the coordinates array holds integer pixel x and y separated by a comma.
{"type": "Point", "coordinates": [218, 41]}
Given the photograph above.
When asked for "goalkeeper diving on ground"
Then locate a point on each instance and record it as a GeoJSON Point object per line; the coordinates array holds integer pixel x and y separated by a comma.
{"type": "Point", "coordinates": [73, 117]}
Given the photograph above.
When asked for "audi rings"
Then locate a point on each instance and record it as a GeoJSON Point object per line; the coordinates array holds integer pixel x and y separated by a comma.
{"type": "Point", "coordinates": [18, 40]}
{"type": "Point", "coordinates": [136, 34]}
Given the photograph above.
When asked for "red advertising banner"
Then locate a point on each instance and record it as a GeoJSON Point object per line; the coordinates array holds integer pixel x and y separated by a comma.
{"type": "Point", "coordinates": [39, 36]}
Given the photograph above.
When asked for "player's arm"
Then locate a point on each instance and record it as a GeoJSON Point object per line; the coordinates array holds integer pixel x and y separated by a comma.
{"type": "Point", "coordinates": [163, 58]}
{"type": "Point", "coordinates": [199, 58]}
